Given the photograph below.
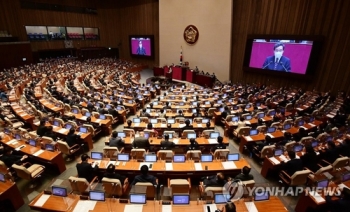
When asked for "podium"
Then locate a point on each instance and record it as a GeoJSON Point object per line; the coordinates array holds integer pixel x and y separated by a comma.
{"type": "Point", "coordinates": [179, 72]}
{"type": "Point", "coordinates": [158, 71]}
{"type": "Point", "coordinates": [190, 75]}
{"type": "Point", "coordinates": [203, 79]}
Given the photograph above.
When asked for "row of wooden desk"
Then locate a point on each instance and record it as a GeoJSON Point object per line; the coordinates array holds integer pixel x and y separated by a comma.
{"type": "Point", "coordinates": [73, 203]}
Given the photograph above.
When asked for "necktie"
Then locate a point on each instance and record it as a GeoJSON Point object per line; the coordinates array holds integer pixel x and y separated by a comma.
{"type": "Point", "coordinates": [276, 62]}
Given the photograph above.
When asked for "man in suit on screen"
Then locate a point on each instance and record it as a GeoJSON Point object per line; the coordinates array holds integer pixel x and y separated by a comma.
{"type": "Point", "coordinates": [141, 50]}
{"type": "Point", "coordinates": [277, 62]}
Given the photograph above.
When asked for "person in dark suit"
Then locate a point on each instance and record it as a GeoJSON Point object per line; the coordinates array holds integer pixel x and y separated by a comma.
{"type": "Point", "coordinates": [116, 141]}
{"type": "Point", "coordinates": [85, 169]}
{"type": "Point", "coordinates": [331, 154]}
{"type": "Point", "coordinates": [245, 175]}
{"type": "Point", "coordinates": [113, 111]}
{"type": "Point", "coordinates": [229, 207]}
{"type": "Point", "coordinates": [141, 142]}
{"type": "Point", "coordinates": [41, 128]}
{"type": "Point", "coordinates": [141, 50]}
{"type": "Point", "coordinates": [166, 144]}
{"type": "Point", "coordinates": [72, 138]}
{"type": "Point", "coordinates": [187, 125]}
{"type": "Point", "coordinates": [293, 165]}
{"type": "Point", "coordinates": [278, 62]}
{"type": "Point", "coordinates": [345, 148]}
{"type": "Point", "coordinates": [9, 159]}
{"type": "Point", "coordinates": [341, 204]}
{"type": "Point", "coordinates": [110, 173]}
{"type": "Point", "coordinates": [49, 133]}
{"type": "Point", "coordinates": [215, 180]}
{"type": "Point", "coordinates": [193, 145]}
{"type": "Point", "coordinates": [309, 159]}
{"type": "Point", "coordinates": [144, 177]}
{"type": "Point", "coordinates": [144, 113]}
{"type": "Point", "coordinates": [220, 144]}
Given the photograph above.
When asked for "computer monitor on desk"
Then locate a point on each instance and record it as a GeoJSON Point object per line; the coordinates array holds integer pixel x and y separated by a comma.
{"type": "Point", "coordinates": [179, 158]}
{"type": "Point", "coordinates": [49, 147]}
{"type": "Point", "coordinates": [271, 129]}
{"type": "Point", "coordinates": [261, 196]}
{"type": "Point", "coordinates": [181, 199]}
{"type": "Point", "coordinates": [97, 155]}
{"type": "Point", "coordinates": [322, 183]}
{"type": "Point", "coordinates": [346, 177]}
{"type": "Point", "coordinates": [214, 135]}
{"type": "Point", "coordinates": [97, 195]}
{"type": "Point", "coordinates": [83, 130]}
{"type": "Point", "coordinates": [121, 134]}
{"type": "Point", "coordinates": [191, 135]}
{"type": "Point", "coordinates": [222, 198]}
{"type": "Point", "coordinates": [32, 142]}
{"type": "Point", "coordinates": [136, 120]}
{"type": "Point", "coordinates": [253, 132]}
{"type": "Point", "coordinates": [2, 177]}
{"type": "Point", "coordinates": [207, 158]}
{"type": "Point", "coordinates": [138, 198]}
{"type": "Point", "coordinates": [171, 121]}
{"type": "Point", "coordinates": [278, 152]}
{"type": "Point", "coordinates": [233, 157]}
{"type": "Point", "coordinates": [151, 158]}
{"type": "Point", "coordinates": [123, 157]}
{"type": "Point", "coordinates": [298, 148]}
{"type": "Point", "coordinates": [59, 191]}
{"type": "Point", "coordinates": [287, 126]}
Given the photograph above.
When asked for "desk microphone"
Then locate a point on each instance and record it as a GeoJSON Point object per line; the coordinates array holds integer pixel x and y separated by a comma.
{"type": "Point", "coordinates": [267, 65]}
{"type": "Point", "coordinates": [283, 67]}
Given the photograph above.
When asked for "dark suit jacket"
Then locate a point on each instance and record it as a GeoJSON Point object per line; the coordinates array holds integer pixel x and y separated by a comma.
{"type": "Point", "coordinates": [86, 171]}
{"type": "Point", "coordinates": [282, 65]}
{"type": "Point", "coordinates": [116, 142]}
{"type": "Point", "coordinates": [331, 155]}
{"type": "Point", "coordinates": [41, 130]}
{"type": "Point", "coordinates": [195, 146]}
{"type": "Point", "coordinates": [219, 146]}
{"type": "Point", "coordinates": [141, 143]}
{"type": "Point", "coordinates": [9, 160]}
{"type": "Point", "coordinates": [339, 205]}
{"type": "Point", "coordinates": [212, 181]}
{"type": "Point", "coordinates": [121, 178]}
{"type": "Point", "coordinates": [72, 139]}
{"type": "Point", "coordinates": [244, 177]}
{"type": "Point", "coordinates": [310, 161]}
{"type": "Point", "coordinates": [292, 166]}
{"type": "Point", "coordinates": [141, 51]}
{"type": "Point", "coordinates": [167, 145]}
{"type": "Point", "coordinates": [144, 178]}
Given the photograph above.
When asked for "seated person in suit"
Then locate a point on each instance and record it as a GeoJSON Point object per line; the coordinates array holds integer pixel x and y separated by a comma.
{"type": "Point", "coordinates": [240, 124]}
{"type": "Point", "coordinates": [162, 114]}
{"type": "Point", "coordinates": [150, 129]}
{"type": "Point", "coordinates": [141, 142]}
{"type": "Point", "coordinates": [261, 144]}
{"type": "Point", "coordinates": [187, 125]}
{"type": "Point", "coordinates": [9, 159]}
{"type": "Point", "coordinates": [116, 141]}
{"type": "Point", "coordinates": [220, 144]}
{"type": "Point", "coordinates": [341, 204]}
{"type": "Point", "coordinates": [293, 165]}
{"type": "Point", "coordinates": [49, 133]}
{"type": "Point", "coordinates": [110, 173]}
{"type": "Point", "coordinates": [97, 127]}
{"type": "Point", "coordinates": [144, 113]}
{"type": "Point", "coordinates": [245, 175]}
{"type": "Point", "coordinates": [180, 114]}
{"type": "Point", "coordinates": [41, 128]}
{"type": "Point", "coordinates": [332, 153]}
{"type": "Point", "coordinates": [193, 145]}
{"type": "Point", "coordinates": [166, 144]}
{"type": "Point", "coordinates": [129, 122]}
{"type": "Point", "coordinates": [229, 207]}
{"type": "Point", "coordinates": [144, 177]}
{"type": "Point", "coordinates": [345, 150]}
{"type": "Point", "coordinates": [85, 169]}
{"type": "Point", "coordinates": [113, 111]}
{"type": "Point", "coordinates": [73, 138]}
{"type": "Point", "coordinates": [215, 180]}
{"type": "Point", "coordinates": [310, 159]}
{"type": "Point", "coordinates": [287, 137]}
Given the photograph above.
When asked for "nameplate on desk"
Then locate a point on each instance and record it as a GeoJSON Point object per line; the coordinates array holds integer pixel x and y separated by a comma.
{"type": "Point", "coordinates": [212, 141]}
{"type": "Point", "coordinates": [98, 120]}
{"type": "Point", "coordinates": [300, 109]}
{"type": "Point", "coordinates": [162, 125]}
{"type": "Point", "coordinates": [251, 206]}
{"type": "Point", "coordinates": [167, 208]}
{"type": "Point", "coordinates": [83, 117]}
{"type": "Point", "coordinates": [229, 165]}
{"type": "Point", "coordinates": [318, 198]}
{"type": "Point", "coordinates": [198, 166]}
{"type": "Point", "coordinates": [199, 125]}
{"type": "Point", "coordinates": [247, 122]}
{"type": "Point", "coordinates": [133, 208]}
{"type": "Point", "coordinates": [13, 141]}
{"type": "Point", "coordinates": [274, 160]}
{"type": "Point", "coordinates": [248, 138]}
{"type": "Point", "coordinates": [176, 141]}
{"type": "Point", "coordinates": [306, 106]}
{"type": "Point", "coordinates": [312, 125]}
{"type": "Point", "coordinates": [269, 134]}
{"type": "Point", "coordinates": [38, 152]}
{"type": "Point", "coordinates": [136, 124]}
{"type": "Point", "coordinates": [63, 130]}
{"type": "Point", "coordinates": [20, 147]}
{"type": "Point", "coordinates": [168, 166]}
{"type": "Point", "coordinates": [41, 201]}
{"type": "Point", "coordinates": [84, 205]}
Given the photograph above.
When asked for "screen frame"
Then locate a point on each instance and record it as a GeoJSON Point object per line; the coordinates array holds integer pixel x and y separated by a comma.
{"type": "Point", "coordinates": [151, 37]}
{"type": "Point", "coordinates": [312, 65]}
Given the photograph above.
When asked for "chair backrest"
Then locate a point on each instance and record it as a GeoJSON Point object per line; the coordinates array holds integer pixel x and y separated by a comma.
{"type": "Point", "coordinates": [211, 111]}
{"type": "Point", "coordinates": [340, 162]}
{"type": "Point", "coordinates": [63, 147]}
{"type": "Point", "coordinates": [161, 120]}
{"type": "Point", "coordinates": [289, 107]}
{"type": "Point", "coordinates": [144, 188]}
{"type": "Point", "coordinates": [110, 152]}
{"type": "Point", "coordinates": [198, 119]}
{"type": "Point", "coordinates": [288, 121]}
{"type": "Point", "coordinates": [47, 139]}
{"type": "Point", "coordinates": [138, 154]}
{"type": "Point", "coordinates": [179, 186]}
{"type": "Point", "coordinates": [289, 146]}
{"type": "Point", "coordinates": [206, 133]}
{"type": "Point", "coordinates": [90, 128]}
{"type": "Point", "coordinates": [112, 187]}
{"type": "Point", "coordinates": [169, 132]}
{"type": "Point", "coordinates": [306, 140]}
{"type": "Point", "coordinates": [180, 120]}
{"type": "Point", "coordinates": [129, 132]}
{"type": "Point", "coordinates": [262, 129]}
{"type": "Point", "coordinates": [221, 154]}
{"type": "Point", "coordinates": [144, 119]}
{"type": "Point", "coordinates": [194, 155]}
{"type": "Point", "coordinates": [78, 185]}
{"type": "Point", "coordinates": [323, 169]}
{"type": "Point", "coordinates": [243, 131]}
{"type": "Point", "coordinates": [275, 124]}
{"type": "Point", "coordinates": [59, 121]}
{"type": "Point", "coordinates": [267, 151]}
{"type": "Point", "coordinates": [299, 177]}
{"type": "Point", "coordinates": [73, 123]}
{"type": "Point", "coordinates": [249, 183]}
{"type": "Point", "coordinates": [22, 172]}
{"type": "Point", "coordinates": [3, 165]}
{"type": "Point", "coordinates": [166, 155]}
{"type": "Point", "coordinates": [67, 108]}
{"type": "Point", "coordinates": [185, 132]}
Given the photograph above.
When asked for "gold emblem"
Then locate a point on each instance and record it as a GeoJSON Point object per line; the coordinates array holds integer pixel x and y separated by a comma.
{"type": "Point", "coordinates": [191, 34]}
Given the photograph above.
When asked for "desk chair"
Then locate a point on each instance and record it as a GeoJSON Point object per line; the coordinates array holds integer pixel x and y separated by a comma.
{"type": "Point", "coordinates": [111, 152]}
{"type": "Point", "coordinates": [113, 119]}
{"type": "Point", "coordinates": [161, 120]}
{"type": "Point", "coordinates": [267, 151]}
{"type": "Point", "coordinates": [144, 119]}
{"type": "Point", "coordinates": [276, 124]}
{"type": "Point", "coordinates": [206, 133]}
{"type": "Point", "coordinates": [289, 107]}
{"type": "Point", "coordinates": [338, 163]}
{"type": "Point", "coordinates": [185, 132]}
{"type": "Point", "coordinates": [262, 129]}
{"type": "Point", "coordinates": [221, 154]}
{"type": "Point", "coordinates": [306, 140]}
{"type": "Point", "coordinates": [166, 155]}
{"type": "Point", "coordinates": [81, 185]}
{"type": "Point", "coordinates": [67, 109]}
{"type": "Point", "coordinates": [14, 124]}
{"type": "Point", "coordinates": [32, 173]}
{"type": "Point", "coordinates": [144, 188]}
{"type": "Point", "coordinates": [129, 132]}
{"type": "Point", "coordinates": [69, 151]}
{"type": "Point", "coordinates": [198, 120]}
{"type": "Point", "coordinates": [208, 192]}
{"type": "Point", "coordinates": [179, 186]}
{"type": "Point", "coordinates": [92, 130]}
{"type": "Point", "coordinates": [211, 111]}
{"type": "Point", "coordinates": [113, 187]}
{"type": "Point", "coordinates": [96, 114]}
{"type": "Point", "coordinates": [180, 120]}
{"type": "Point", "coordinates": [138, 154]}
{"type": "Point", "coordinates": [59, 121]}
{"type": "Point", "coordinates": [289, 146]}
{"type": "Point", "coordinates": [194, 155]}
{"type": "Point", "coordinates": [244, 131]}
{"type": "Point", "coordinates": [298, 178]}
{"type": "Point", "coordinates": [169, 132]}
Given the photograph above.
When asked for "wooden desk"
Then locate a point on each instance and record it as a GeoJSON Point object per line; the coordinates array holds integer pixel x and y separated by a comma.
{"type": "Point", "coordinates": [51, 106]}
{"type": "Point", "coordinates": [87, 137]}
{"type": "Point", "coordinates": [9, 191]}
{"type": "Point", "coordinates": [178, 141]}
{"type": "Point", "coordinates": [20, 112]}
{"type": "Point", "coordinates": [176, 126]}
{"type": "Point", "coordinates": [46, 157]}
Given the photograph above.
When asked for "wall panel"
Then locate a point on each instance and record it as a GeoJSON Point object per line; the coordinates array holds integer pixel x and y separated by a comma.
{"type": "Point", "coordinates": [296, 17]}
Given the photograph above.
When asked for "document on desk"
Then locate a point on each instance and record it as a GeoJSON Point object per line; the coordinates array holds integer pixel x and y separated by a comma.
{"type": "Point", "coordinates": [110, 162]}
{"type": "Point", "coordinates": [162, 125]}
{"type": "Point", "coordinates": [274, 160]}
{"type": "Point", "coordinates": [182, 125]}
{"type": "Point", "coordinates": [199, 125]}
{"type": "Point", "coordinates": [251, 206]}
{"type": "Point", "coordinates": [136, 124]}
{"type": "Point", "coordinates": [211, 206]}
{"type": "Point", "coordinates": [269, 134]}
{"type": "Point", "coordinates": [168, 166]}
{"type": "Point", "coordinates": [312, 125]}
{"type": "Point", "coordinates": [41, 201]}
{"type": "Point", "coordinates": [283, 158]}
{"type": "Point", "coordinates": [84, 205]}
{"type": "Point", "coordinates": [347, 168]}
{"type": "Point", "coordinates": [176, 141]}
{"type": "Point", "coordinates": [133, 208]}
{"type": "Point", "coordinates": [198, 166]}
{"type": "Point", "coordinates": [166, 208]}
{"type": "Point", "coordinates": [38, 152]}
{"type": "Point", "coordinates": [13, 141]}
{"type": "Point", "coordinates": [63, 130]}
{"type": "Point", "coordinates": [318, 198]}
{"type": "Point", "coordinates": [248, 138]}
{"type": "Point", "coordinates": [229, 165]}
{"type": "Point", "coordinates": [212, 141]}
{"type": "Point", "coordinates": [300, 109]}
{"type": "Point", "coordinates": [330, 116]}
{"type": "Point", "coordinates": [83, 117]}
{"type": "Point", "coordinates": [98, 120]}
{"type": "Point", "coordinates": [247, 122]}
